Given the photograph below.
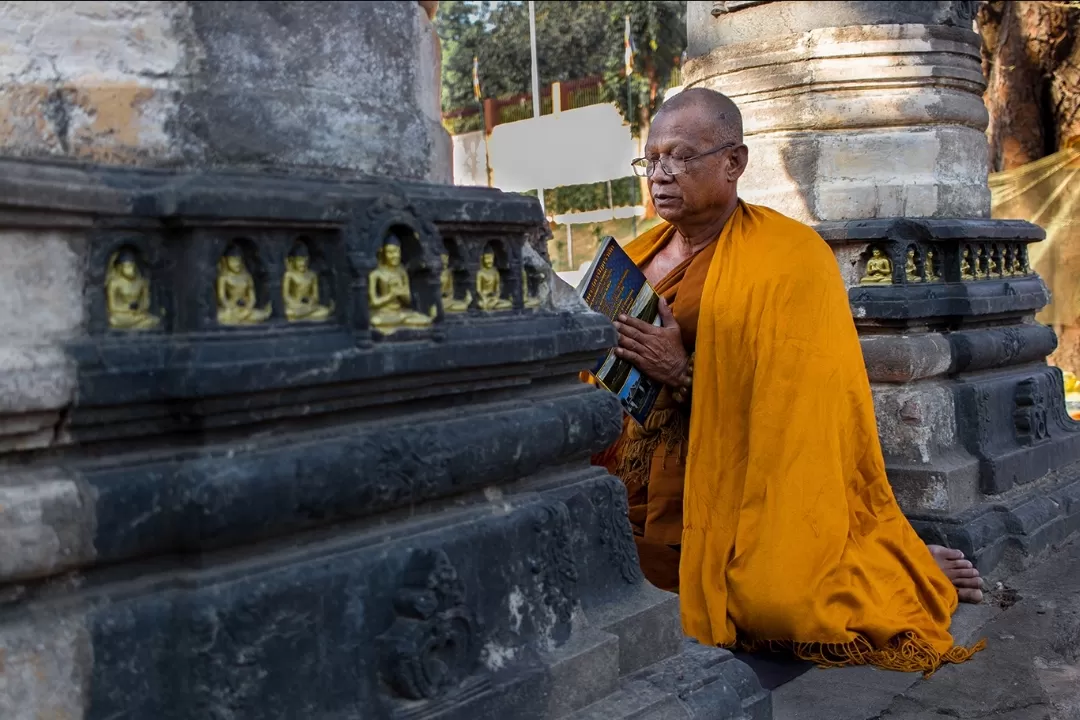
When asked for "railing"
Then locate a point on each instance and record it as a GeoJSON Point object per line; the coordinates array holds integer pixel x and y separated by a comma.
{"type": "Point", "coordinates": [511, 108]}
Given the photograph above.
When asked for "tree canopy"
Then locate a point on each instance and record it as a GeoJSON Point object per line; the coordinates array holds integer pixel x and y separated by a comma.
{"type": "Point", "coordinates": [574, 39]}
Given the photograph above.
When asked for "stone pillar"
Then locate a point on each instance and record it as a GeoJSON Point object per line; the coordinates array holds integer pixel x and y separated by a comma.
{"type": "Point", "coordinates": [346, 86]}
{"type": "Point", "coordinates": [865, 119]}
{"type": "Point", "coordinates": [251, 469]}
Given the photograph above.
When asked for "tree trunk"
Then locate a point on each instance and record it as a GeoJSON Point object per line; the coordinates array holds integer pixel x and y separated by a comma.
{"type": "Point", "coordinates": [1031, 58]}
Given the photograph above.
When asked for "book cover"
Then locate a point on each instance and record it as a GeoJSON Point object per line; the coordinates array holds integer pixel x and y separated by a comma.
{"type": "Point", "coordinates": [613, 286]}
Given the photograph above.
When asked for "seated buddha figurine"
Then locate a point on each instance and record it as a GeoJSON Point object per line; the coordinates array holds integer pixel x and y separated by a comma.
{"type": "Point", "coordinates": [236, 297]}
{"type": "Point", "coordinates": [389, 296]}
{"type": "Point", "coordinates": [995, 262]}
{"type": "Point", "coordinates": [1007, 261]}
{"type": "Point", "coordinates": [127, 295]}
{"type": "Point", "coordinates": [449, 303]}
{"type": "Point", "coordinates": [531, 301]}
{"type": "Point", "coordinates": [931, 269]}
{"type": "Point", "coordinates": [967, 272]}
{"type": "Point", "coordinates": [1019, 267]}
{"type": "Point", "coordinates": [878, 269]}
{"type": "Point", "coordinates": [982, 270]}
{"type": "Point", "coordinates": [911, 269]}
{"type": "Point", "coordinates": [489, 285]}
{"type": "Point", "coordinates": [300, 290]}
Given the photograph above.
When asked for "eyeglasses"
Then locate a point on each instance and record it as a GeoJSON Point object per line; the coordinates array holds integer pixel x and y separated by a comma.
{"type": "Point", "coordinates": [643, 167]}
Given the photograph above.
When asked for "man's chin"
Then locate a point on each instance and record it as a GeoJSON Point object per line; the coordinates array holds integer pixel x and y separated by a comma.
{"type": "Point", "coordinates": [669, 212]}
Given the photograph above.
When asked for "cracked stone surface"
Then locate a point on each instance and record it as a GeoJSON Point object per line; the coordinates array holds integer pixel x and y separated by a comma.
{"type": "Point", "coordinates": [1029, 671]}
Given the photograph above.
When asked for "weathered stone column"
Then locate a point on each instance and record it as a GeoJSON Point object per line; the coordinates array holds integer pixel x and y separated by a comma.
{"type": "Point", "coordinates": [349, 86]}
{"type": "Point", "coordinates": [252, 465]}
{"type": "Point", "coordinates": [866, 120]}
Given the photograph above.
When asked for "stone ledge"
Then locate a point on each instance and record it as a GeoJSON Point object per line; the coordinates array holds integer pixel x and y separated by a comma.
{"type": "Point", "coordinates": [221, 495]}
{"type": "Point", "coordinates": [700, 683]}
{"type": "Point", "coordinates": [1011, 533]}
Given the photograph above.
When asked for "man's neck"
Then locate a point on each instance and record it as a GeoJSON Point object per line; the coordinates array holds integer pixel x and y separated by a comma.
{"type": "Point", "coordinates": [696, 235]}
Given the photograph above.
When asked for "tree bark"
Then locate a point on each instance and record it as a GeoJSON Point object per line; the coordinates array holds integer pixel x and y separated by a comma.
{"type": "Point", "coordinates": [1031, 58]}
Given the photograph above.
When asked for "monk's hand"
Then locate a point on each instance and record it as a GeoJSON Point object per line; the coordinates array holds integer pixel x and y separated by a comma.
{"type": "Point", "coordinates": [658, 352]}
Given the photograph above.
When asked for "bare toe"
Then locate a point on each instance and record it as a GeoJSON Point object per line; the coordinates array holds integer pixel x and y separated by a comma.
{"type": "Point", "coordinates": [970, 595]}
{"type": "Point", "coordinates": [943, 554]}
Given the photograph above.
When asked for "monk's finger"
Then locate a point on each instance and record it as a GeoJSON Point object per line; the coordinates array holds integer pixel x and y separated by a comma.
{"type": "Point", "coordinates": [964, 573]}
{"type": "Point", "coordinates": [973, 583]}
{"type": "Point", "coordinates": [629, 356]}
{"type": "Point", "coordinates": [639, 325]}
{"type": "Point", "coordinates": [629, 343]}
{"type": "Point", "coordinates": [627, 330]}
{"type": "Point", "coordinates": [960, 564]}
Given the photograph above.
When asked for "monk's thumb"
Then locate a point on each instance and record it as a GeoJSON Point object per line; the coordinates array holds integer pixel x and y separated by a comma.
{"type": "Point", "coordinates": [666, 317]}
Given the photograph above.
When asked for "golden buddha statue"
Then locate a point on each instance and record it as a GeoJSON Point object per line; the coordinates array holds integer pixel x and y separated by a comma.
{"type": "Point", "coordinates": [127, 294]}
{"type": "Point", "coordinates": [1007, 261]}
{"type": "Point", "coordinates": [931, 271]}
{"type": "Point", "coordinates": [389, 296]}
{"type": "Point", "coordinates": [489, 285]}
{"type": "Point", "coordinates": [1019, 263]}
{"type": "Point", "coordinates": [981, 271]}
{"type": "Point", "coordinates": [449, 303]}
{"type": "Point", "coordinates": [300, 291]}
{"type": "Point", "coordinates": [531, 301]}
{"type": "Point", "coordinates": [878, 269]}
{"type": "Point", "coordinates": [236, 296]}
{"type": "Point", "coordinates": [911, 269]}
{"type": "Point", "coordinates": [966, 271]}
{"type": "Point", "coordinates": [995, 263]}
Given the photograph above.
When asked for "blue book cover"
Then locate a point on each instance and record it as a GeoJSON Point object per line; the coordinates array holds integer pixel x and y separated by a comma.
{"type": "Point", "coordinates": [615, 286]}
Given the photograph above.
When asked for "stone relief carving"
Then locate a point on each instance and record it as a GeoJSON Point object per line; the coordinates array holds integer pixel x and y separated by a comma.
{"type": "Point", "coordinates": [1030, 414]}
{"type": "Point", "coordinates": [615, 535]}
{"type": "Point", "coordinates": [433, 645]}
{"type": "Point", "coordinates": [555, 565]}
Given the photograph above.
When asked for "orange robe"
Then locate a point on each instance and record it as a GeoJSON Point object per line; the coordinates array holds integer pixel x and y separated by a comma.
{"type": "Point", "coordinates": [790, 534]}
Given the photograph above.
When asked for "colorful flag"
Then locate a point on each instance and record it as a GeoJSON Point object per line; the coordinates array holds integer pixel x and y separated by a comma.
{"type": "Point", "coordinates": [476, 78]}
{"type": "Point", "coordinates": [629, 50]}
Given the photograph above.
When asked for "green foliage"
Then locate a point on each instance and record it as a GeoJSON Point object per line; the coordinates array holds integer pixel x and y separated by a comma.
{"type": "Point", "coordinates": [575, 40]}
{"type": "Point", "coordinates": [658, 28]}
{"type": "Point", "coordinates": [591, 196]}
{"type": "Point", "coordinates": [570, 37]}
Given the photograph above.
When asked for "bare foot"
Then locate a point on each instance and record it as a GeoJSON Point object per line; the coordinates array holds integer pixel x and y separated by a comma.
{"type": "Point", "coordinates": [960, 571]}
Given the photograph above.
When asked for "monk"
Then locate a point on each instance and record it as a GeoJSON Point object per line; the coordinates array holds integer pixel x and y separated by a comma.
{"type": "Point", "coordinates": [757, 485]}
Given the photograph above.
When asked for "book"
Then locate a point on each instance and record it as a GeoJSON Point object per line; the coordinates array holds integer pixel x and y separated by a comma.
{"type": "Point", "coordinates": [612, 286]}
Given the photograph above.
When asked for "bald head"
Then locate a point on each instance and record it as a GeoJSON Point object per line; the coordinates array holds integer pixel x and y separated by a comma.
{"type": "Point", "coordinates": [699, 131]}
{"type": "Point", "coordinates": [719, 114]}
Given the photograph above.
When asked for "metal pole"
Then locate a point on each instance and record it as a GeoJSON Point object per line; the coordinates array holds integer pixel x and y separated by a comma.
{"type": "Point", "coordinates": [535, 82]}
{"type": "Point", "coordinates": [569, 248]}
{"type": "Point", "coordinates": [630, 114]}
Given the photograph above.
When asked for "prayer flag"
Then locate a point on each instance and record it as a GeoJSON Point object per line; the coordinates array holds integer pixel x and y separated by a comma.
{"type": "Point", "coordinates": [476, 78]}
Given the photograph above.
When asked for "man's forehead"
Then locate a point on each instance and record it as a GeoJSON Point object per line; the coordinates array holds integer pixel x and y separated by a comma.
{"type": "Point", "coordinates": [689, 124]}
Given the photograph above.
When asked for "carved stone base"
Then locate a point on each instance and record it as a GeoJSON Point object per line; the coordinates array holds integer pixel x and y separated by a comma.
{"type": "Point", "coordinates": [289, 521]}
{"type": "Point", "coordinates": [968, 412]}
{"type": "Point", "coordinates": [1009, 533]}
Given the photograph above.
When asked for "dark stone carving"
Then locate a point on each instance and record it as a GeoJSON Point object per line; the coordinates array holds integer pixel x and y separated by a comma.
{"type": "Point", "coordinates": [554, 566]}
{"type": "Point", "coordinates": [615, 534]}
{"type": "Point", "coordinates": [1030, 413]}
{"type": "Point", "coordinates": [278, 503]}
{"type": "Point", "coordinates": [434, 643]}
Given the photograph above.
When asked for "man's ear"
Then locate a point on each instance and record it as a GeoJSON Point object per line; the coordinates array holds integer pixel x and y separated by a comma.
{"type": "Point", "coordinates": [737, 161]}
